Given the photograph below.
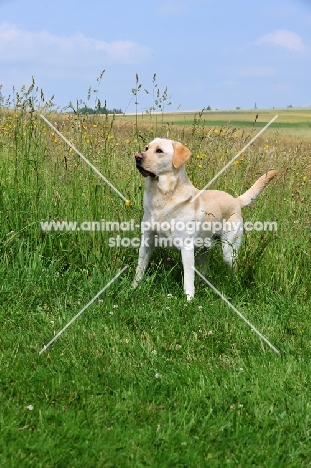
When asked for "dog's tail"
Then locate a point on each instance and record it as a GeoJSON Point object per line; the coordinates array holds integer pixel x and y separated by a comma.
{"type": "Point", "coordinates": [251, 195]}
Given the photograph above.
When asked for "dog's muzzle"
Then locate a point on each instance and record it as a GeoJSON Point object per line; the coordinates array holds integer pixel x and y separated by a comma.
{"type": "Point", "coordinates": [139, 160]}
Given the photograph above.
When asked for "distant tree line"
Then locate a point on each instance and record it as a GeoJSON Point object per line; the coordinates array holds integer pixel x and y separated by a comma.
{"type": "Point", "coordinates": [100, 110]}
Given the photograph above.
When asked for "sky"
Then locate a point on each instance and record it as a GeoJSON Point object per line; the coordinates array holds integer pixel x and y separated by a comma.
{"type": "Point", "coordinates": [219, 53]}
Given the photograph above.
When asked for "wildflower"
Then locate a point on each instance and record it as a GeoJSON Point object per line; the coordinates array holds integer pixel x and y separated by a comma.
{"type": "Point", "coordinates": [127, 203]}
{"type": "Point", "coordinates": [200, 166]}
{"type": "Point", "coordinates": [157, 375]}
{"type": "Point", "coordinates": [95, 125]}
{"type": "Point", "coordinates": [215, 131]}
{"type": "Point", "coordinates": [30, 407]}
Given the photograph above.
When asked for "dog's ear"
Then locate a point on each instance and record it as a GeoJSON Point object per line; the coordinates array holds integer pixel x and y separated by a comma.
{"type": "Point", "coordinates": [181, 154]}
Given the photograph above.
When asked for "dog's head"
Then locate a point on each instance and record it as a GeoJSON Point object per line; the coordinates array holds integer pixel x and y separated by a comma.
{"type": "Point", "coordinates": [161, 157]}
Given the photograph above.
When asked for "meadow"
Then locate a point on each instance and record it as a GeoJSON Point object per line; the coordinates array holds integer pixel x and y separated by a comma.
{"type": "Point", "coordinates": [290, 121]}
{"type": "Point", "coordinates": [143, 377]}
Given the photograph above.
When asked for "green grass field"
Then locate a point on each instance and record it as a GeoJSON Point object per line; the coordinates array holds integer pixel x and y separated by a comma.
{"type": "Point", "coordinates": [290, 122]}
{"type": "Point", "coordinates": [143, 378]}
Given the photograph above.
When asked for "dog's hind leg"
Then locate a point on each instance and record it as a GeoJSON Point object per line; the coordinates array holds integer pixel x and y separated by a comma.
{"type": "Point", "coordinates": [230, 243]}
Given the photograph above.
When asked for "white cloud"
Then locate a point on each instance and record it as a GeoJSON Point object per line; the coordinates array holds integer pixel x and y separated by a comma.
{"type": "Point", "coordinates": [283, 38]}
{"type": "Point", "coordinates": [18, 44]}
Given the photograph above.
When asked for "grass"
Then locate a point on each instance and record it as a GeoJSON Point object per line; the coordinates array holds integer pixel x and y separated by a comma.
{"type": "Point", "coordinates": [144, 378]}
{"type": "Point", "coordinates": [290, 122]}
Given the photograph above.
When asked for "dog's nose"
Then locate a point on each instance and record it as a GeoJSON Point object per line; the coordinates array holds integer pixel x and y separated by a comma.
{"type": "Point", "coordinates": [139, 156]}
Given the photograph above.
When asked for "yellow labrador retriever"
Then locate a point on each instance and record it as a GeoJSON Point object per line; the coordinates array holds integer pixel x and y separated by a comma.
{"type": "Point", "coordinates": [174, 217]}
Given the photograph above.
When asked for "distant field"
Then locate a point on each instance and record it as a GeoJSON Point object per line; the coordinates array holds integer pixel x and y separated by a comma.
{"type": "Point", "coordinates": [294, 122]}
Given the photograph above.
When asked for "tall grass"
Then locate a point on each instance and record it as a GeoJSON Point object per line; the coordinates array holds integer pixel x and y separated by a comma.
{"type": "Point", "coordinates": [143, 378]}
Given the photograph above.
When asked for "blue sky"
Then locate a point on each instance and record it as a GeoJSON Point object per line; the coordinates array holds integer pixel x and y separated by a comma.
{"type": "Point", "coordinates": [221, 53]}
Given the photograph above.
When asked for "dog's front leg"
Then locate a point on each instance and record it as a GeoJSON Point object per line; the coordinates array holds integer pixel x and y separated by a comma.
{"type": "Point", "coordinates": [187, 255]}
{"type": "Point", "coordinates": [145, 252]}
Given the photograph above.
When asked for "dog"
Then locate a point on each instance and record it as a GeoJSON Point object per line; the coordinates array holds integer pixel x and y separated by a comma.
{"type": "Point", "coordinates": [178, 215]}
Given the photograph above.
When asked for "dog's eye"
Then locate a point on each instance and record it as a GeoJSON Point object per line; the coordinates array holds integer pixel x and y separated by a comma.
{"type": "Point", "coordinates": [146, 149]}
{"type": "Point", "coordinates": [158, 150]}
